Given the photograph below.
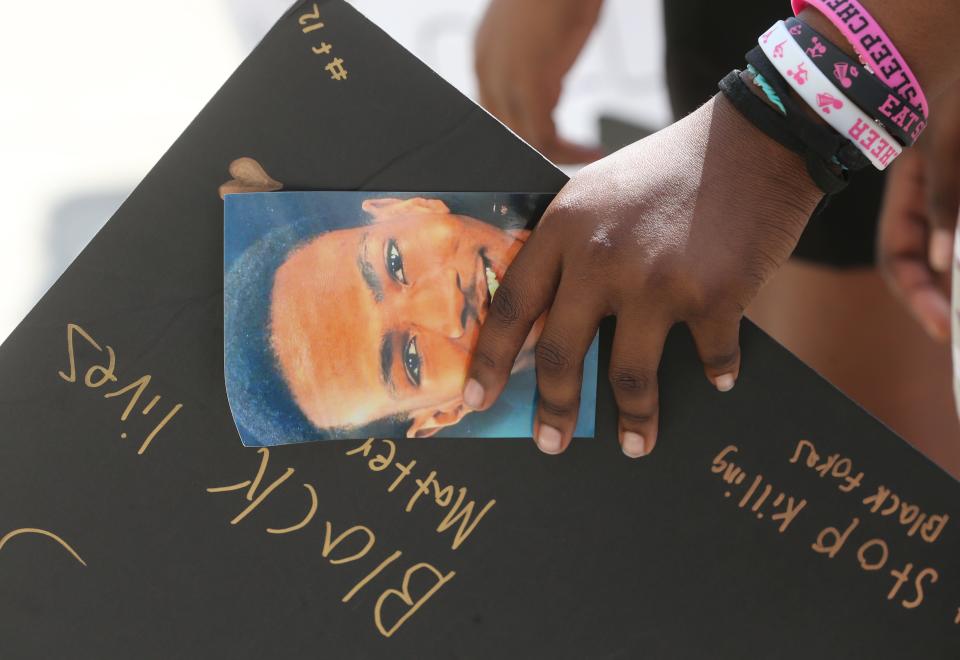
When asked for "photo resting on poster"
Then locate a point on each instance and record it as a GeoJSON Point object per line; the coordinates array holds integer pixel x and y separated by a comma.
{"type": "Point", "coordinates": [350, 315]}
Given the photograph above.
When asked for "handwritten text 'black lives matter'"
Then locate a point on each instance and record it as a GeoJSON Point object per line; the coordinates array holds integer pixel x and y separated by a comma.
{"type": "Point", "coordinates": [341, 545]}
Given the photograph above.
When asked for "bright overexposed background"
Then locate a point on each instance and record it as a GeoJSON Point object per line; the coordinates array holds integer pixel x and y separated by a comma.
{"type": "Point", "coordinates": [90, 98]}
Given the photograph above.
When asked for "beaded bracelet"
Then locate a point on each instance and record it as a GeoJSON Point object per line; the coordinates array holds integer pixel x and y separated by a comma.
{"type": "Point", "coordinates": [872, 45]}
{"type": "Point", "coordinates": [896, 115]}
{"type": "Point", "coordinates": [816, 89]}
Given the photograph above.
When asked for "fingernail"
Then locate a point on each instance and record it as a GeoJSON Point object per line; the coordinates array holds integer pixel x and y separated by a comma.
{"type": "Point", "coordinates": [724, 382]}
{"type": "Point", "coordinates": [938, 334]}
{"type": "Point", "coordinates": [941, 244]}
{"type": "Point", "coordinates": [473, 394]}
{"type": "Point", "coordinates": [633, 444]}
{"type": "Point", "coordinates": [935, 330]}
{"type": "Point", "coordinates": [548, 439]}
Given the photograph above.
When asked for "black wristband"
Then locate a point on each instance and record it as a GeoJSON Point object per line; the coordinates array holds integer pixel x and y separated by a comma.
{"type": "Point", "coordinates": [819, 137]}
{"type": "Point", "coordinates": [896, 114]}
{"type": "Point", "coordinates": [777, 127]}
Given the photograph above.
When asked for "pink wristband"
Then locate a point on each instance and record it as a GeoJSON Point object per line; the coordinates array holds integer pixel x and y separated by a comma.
{"type": "Point", "coordinates": [873, 46]}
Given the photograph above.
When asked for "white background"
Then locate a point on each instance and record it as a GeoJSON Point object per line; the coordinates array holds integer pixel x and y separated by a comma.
{"type": "Point", "coordinates": [92, 94]}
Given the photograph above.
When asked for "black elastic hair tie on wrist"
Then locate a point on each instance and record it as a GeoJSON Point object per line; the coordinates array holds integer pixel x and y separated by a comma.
{"type": "Point", "coordinates": [820, 138]}
{"type": "Point", "coordinates": [776, 126]}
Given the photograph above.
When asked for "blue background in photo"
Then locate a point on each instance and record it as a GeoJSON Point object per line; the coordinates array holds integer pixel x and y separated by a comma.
{"type": "Point", "coordinates": [260, 229]}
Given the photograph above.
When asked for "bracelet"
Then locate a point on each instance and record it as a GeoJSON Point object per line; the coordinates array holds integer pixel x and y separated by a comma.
{"type": "Point", "coordinates": [818, 136]}
{"type": "Point", "coordinates": [775, 126]}
{"type": "Point", "coordinates": [872, 45]}
{"type": "Point", "coordinates": [772, 95]}
{"type": "Point", "coordinates": [891, 110]}
{"type": "Point", "coordinates": [816, 89]}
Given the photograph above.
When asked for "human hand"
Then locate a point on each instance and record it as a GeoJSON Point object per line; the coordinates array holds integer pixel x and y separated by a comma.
{"type": "Point", "coordinates": [919, 216]}
{"type": "Point", "coordinates": [523, 50]}
{"type": "Point", "coordinates": [685, 225]}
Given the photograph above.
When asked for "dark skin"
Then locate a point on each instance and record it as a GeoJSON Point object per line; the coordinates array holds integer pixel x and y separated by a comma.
{"type": "Point", "coordinates": [684, 226]}
{"type": "Point", "coordinates": [919, 215]}
{"type": "Point", "coordinates": [636, 236]}
{"type": "Point", "coordinates": [523, 51]}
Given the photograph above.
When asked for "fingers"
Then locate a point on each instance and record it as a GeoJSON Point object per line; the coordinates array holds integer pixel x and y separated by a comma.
{"type": "Point", "coordinates": [493, 103]}
{"type": "Point", "coordinates": [570, 328]}
{"type": "Point", "coordinates": [526, 291]}
{"type": "Point", "coordinates": [528, 110]}
{"type": "Point", "coordinates": [538, 127]}
{"type": "Point", "coordinates": [903, 253]}
{"type": "Point", "coordinates": [718, 343]}
{"type": "Point", "coordinates": [943, 201]}
{"type": "Point", "coordinates": [905, 268]}
{"type": "Point", "coordinates": [637, 346]}
{"type": "Point", "coordinates": [931, 308]}
{"type": "Point", "coordinates": [941, 248]}
{"type": "Point", "coordinates": [917, 286]}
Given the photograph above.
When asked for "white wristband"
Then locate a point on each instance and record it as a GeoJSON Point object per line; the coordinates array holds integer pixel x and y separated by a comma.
{"type": "Point", "coordinates": [819, 92]}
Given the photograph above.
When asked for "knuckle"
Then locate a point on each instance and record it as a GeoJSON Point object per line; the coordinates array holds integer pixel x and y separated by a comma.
{"type": "Point", "coordinates": [885, 264]}
{"type": "Point", "coordinates": [599, 249]}
{"type": "Point", "coordinates": [665, 281]}
{"type": "Point", "coordinates": [630, 381]}
{"type": "Point", "coordinates": [719, 299]}
{"type": "Point", "coordinates": [552, 357]}
{"type": "Point", "coordinates": [484, 359]}
{"type": "Point", "coordinates": [559, 407]}
{"type": "Point", "coordinates": [564, 205]}
{"type": "Point", "coordinates": [712, 293]}
{"type": "Point", "coordinates": [722, 360]}
{"type": "Point", "coordinates": [506, 306]}
{"type": "Point", "coordinates": [637, 417]}
{"type": "Point", "coordinates": [717, 288]}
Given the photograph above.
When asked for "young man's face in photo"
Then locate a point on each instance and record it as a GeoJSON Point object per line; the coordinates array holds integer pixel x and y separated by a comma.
{"type": "Point", "coordinates": [379, 320]}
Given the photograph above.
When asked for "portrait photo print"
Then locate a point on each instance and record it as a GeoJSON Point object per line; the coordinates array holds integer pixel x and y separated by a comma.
{"type": "Point", "coordinates": [350, 315]}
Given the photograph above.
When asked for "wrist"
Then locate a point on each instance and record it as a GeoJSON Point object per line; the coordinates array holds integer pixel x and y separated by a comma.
{"type": "Point", "coordinates": [776, 177]}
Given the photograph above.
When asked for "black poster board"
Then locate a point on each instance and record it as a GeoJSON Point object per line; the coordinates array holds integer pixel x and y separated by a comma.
{"type": "Point", "coordinates": [778, 520]}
